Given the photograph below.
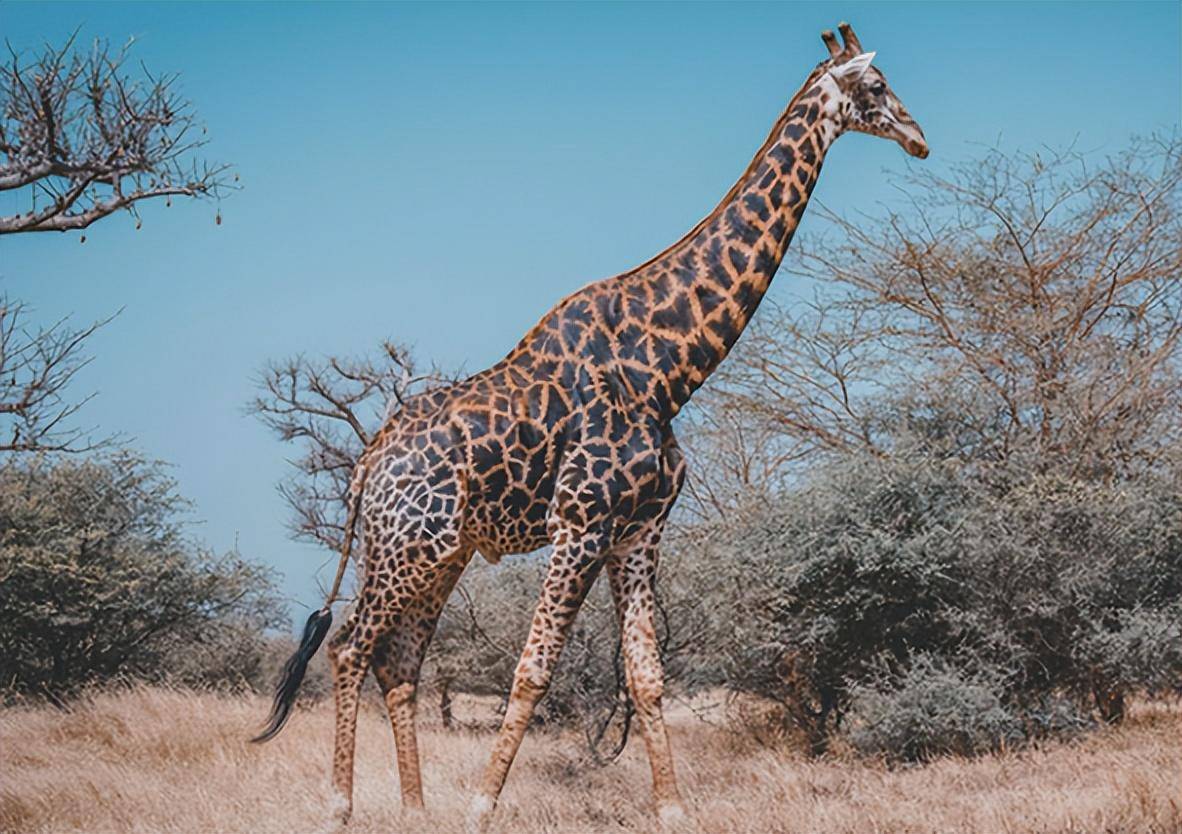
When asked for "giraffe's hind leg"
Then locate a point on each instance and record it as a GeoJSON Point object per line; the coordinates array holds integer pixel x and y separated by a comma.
{"type": "Point", "coordinates": [347, 674]}
{"type": "Point", "coordinates": [389, 589]}
{"type": "Point", "coordinates": [396, 665]}
{"type": "Point", "coordinates": [632, 577]}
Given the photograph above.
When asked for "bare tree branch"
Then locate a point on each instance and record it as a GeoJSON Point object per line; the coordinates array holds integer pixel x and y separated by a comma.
{"type": "Point", "coordinates": [1020, 304]}
{"type": "Point", "coordinates": [82, 138]}
{"type": "Point", "coordinates": [36, 366]}
{"type": "Point", "coordinates": [330, 409]}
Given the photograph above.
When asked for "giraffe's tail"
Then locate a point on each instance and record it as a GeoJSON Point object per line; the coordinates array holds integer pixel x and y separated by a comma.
{"type": "Point", "coordinates": [293, 673]}
{"type": "Point", "coordinates": [315, 629]}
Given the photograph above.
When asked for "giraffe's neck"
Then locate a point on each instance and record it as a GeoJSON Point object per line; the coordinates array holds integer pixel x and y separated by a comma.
{"type": "Point", "coordinates": [695, 298]}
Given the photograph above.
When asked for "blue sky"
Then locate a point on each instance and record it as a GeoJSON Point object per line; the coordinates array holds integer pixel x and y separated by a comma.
{"type": "Point", "coordinates": [442, 174]}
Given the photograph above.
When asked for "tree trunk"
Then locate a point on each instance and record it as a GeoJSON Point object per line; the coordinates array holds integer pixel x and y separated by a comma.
{"type": "Point", "coordinates": [1110, 702]}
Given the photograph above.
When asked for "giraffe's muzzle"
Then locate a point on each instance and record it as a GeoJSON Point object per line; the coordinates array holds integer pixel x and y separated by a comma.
{"type": "Point", "coordinates": [911, 139]}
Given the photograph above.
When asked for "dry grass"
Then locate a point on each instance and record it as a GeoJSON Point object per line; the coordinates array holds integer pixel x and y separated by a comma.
{"type": "Point", "coordinates": [160, 761]}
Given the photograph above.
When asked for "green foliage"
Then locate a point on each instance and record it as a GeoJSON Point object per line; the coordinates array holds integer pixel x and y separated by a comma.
{"type": "Point", "coordinates": [99, 581]}
{"type": "Point", "coordinates": [931, 709]}
{"type": "Point", "coordinates": [927, 585]}
{"type": "Point", "coordinates": [1139, 648]}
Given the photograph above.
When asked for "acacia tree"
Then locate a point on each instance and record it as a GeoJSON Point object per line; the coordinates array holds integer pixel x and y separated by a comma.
{"type": "Point", "coordinates": [99, 580]}
{"type": "Point", "coordinates": [1021, 304]}
{"type": "Point", "coordinates": [82, 138]}
{"type": "Point", "coordinates": [1019, 322]}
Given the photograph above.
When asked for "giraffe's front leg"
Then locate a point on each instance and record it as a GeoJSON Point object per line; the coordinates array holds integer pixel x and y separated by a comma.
{"type": "Point", "coordinates": [573, 568]}
{"type": "Point", "coordinates": [632, 576]}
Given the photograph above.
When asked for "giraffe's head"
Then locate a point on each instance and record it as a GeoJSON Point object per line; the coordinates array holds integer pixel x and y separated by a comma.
{"type": "Point", "coordinates": [862, 100]}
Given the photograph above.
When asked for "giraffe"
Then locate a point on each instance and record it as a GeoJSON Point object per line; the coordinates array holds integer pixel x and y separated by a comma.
{"type": "Point", "coordinates": [567, 442]}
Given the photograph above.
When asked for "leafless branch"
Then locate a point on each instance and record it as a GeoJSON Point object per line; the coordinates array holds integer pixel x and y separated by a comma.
{"type": "Point", "coordinates": [36, 366]}
{"type": "Point", "coordinates": [330, 408]}
{"type": "Point", "coordinates": [82, 138]}
{"type": "Point", "coordinates": [1020, 303]}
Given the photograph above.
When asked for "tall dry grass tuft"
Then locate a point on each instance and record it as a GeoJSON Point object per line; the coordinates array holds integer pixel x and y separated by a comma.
{"type": "Point", "coordinates": [154, 760]}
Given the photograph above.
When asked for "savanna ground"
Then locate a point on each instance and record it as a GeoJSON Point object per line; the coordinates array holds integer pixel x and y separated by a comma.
{"type": "Point", "coordinates": [154, 760]}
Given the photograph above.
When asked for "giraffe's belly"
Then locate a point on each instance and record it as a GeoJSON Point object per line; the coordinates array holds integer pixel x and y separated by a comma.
{"type": "Point", "coordinates": [499, 523]}
{"type": "Point", "coordinates": [508, 500]}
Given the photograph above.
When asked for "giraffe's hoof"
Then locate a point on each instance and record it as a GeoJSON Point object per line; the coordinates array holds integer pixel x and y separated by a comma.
{"type": "Point", "coordinates": [671, 815]}
{"type": "Point", "coordinates": [415, 816]}
{"type": "Point", "coordinates": [479, 813]}
{"type": "Point", "coordinates": [339, 811]}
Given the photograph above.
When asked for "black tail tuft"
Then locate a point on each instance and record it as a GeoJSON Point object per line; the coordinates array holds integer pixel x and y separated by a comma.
{"type": "Point", "coordinates": [293, 673]}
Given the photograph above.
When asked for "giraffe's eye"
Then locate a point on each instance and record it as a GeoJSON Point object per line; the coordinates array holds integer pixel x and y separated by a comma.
{"type": "Point", "coordinates": [878, 88]}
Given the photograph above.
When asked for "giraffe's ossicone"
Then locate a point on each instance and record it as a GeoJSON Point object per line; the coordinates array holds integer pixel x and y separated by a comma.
{"type": "Point", "coordinates": [567, 441]}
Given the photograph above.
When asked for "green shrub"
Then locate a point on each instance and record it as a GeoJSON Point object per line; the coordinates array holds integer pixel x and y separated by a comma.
{"type": "Point", "coordinates": [931, 709]}
{"type": "Point", "coordinates": [1067, 589]}
{"type": "Point", "coordinates": [99, 582]}
{"type": "Point", "coordinates": [826, 582]}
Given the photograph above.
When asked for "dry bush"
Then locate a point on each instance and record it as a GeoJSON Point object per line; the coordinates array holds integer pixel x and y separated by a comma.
{"type": "Point", "coordinates": [164, 762]}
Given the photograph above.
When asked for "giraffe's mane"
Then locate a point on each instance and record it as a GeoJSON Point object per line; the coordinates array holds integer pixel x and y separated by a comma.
{"type": "Point", "coordinates": [777, 126]}
{"type": "Point", "coordinates": [734, 189]}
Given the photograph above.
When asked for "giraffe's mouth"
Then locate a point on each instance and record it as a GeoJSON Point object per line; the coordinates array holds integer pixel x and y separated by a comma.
{"type": "Point", "coordinates": [910, 139]}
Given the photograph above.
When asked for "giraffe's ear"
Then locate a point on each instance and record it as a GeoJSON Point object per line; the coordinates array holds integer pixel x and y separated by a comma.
{"type": "Point", "coordinates": [854, 68]}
